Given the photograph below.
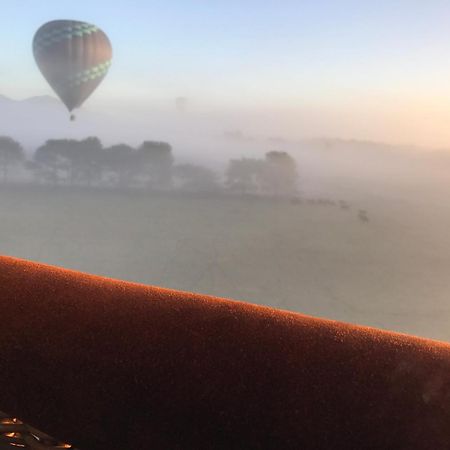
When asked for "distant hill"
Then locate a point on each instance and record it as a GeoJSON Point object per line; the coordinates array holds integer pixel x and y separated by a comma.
{"type": "Point", "coordinates": [36, 119]}
{"type": "Point", "coordinates": [37, 100]}
{"type": "Point", "coordinates": [334, 144]}
{"type": "Point", "coordinates": [41, 100]}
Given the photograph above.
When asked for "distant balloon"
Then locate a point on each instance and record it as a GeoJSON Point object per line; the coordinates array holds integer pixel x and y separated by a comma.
{"type": "Point", "coordinates": [181, 104]}
{"type": "Point", "coordinates": [74, 57]}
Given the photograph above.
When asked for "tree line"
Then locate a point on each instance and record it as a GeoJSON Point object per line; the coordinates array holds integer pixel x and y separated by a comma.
{"type": "Point", "coordinates": [151, 165]}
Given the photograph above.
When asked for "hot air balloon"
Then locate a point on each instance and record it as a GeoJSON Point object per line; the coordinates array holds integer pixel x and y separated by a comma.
{"type": "Point", "coordinates": [74, 57]}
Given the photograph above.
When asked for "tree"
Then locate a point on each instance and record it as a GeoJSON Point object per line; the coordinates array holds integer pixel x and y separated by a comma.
{"type": "Point", "coordinates": [275, 175]}
{"type": "Point", "coordinates": [70, 160]}
{"type": "Point", "coordinates": [243, 175]}
{"type": "Point", "coordinates": [156, 162]}
{"type": "Point", "coordinates": [121, 161]}
{"type": "Point", "coordinates": [11, 153]}
{"type": "Point", "coordinates": [85, 159]}
{"type": "Point", "coordinates": [195, 178]}
{"type": "Point", "coordinates": [279, 177]}
{"type": "Point", "coordinates": [51, 162]}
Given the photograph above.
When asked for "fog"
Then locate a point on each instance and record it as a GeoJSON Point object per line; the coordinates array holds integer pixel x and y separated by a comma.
{"type": "Point", "coordinates": [360, 234]}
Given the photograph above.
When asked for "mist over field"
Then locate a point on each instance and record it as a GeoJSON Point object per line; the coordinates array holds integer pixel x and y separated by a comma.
{"type": "Point", "coordinates": [362, 238]}
{"type": "Point", "coordinates": [293, 155]}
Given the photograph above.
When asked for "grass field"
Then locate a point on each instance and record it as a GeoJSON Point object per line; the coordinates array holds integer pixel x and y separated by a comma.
{"type": "Point", "coordinates": [391, 272]}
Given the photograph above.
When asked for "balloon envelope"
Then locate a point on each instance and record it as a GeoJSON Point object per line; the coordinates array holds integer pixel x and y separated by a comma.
{"type": "Point", "coordinates": [74, 57]}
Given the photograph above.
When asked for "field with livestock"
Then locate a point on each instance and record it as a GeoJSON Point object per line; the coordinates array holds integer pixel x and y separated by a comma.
{"type": "Point", "coordinates": [316, 255]}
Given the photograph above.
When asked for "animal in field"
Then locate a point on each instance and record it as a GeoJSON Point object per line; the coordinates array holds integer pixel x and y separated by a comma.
{"type": "Point", "coordinates": [362, 216]}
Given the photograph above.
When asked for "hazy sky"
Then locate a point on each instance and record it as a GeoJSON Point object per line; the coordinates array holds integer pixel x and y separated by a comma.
{"type": "Point", "coordinates": [371, 70]}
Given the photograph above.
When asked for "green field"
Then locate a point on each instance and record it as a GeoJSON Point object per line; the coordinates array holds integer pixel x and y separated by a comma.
{"type": "Point", "coordinates": [391, 272]}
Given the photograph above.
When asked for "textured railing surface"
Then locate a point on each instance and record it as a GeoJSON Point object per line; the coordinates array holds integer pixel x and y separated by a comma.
{"type": "Point", "coordinates": [16, 434]}
{"type": "Point", "coordinates": [110, 365]}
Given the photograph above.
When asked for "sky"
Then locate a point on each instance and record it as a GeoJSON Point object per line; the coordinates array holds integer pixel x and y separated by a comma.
{"type": "Point", "coordinates": [345, 68]}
